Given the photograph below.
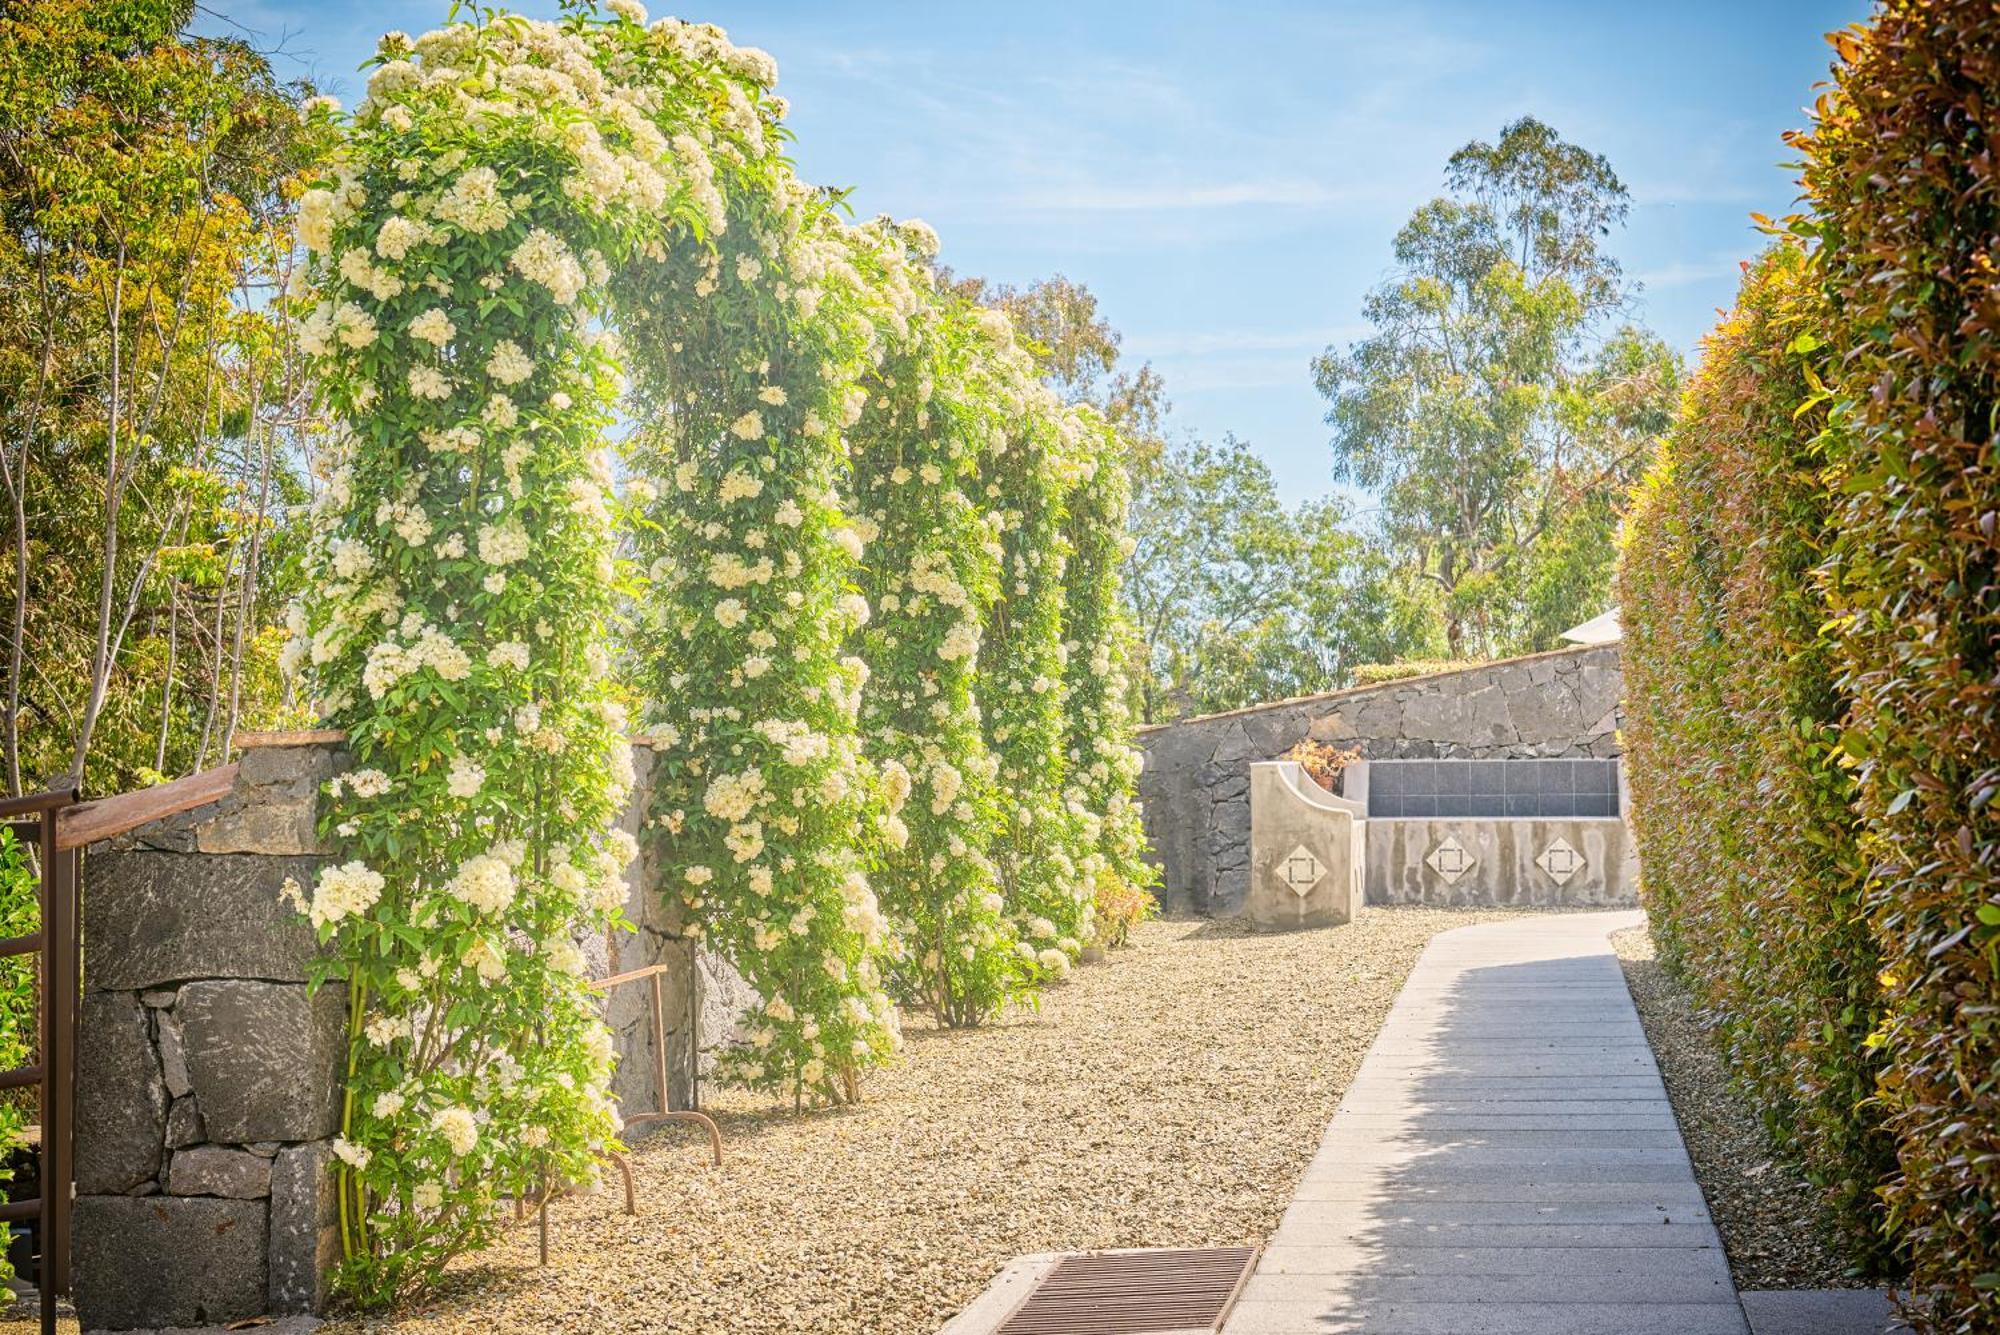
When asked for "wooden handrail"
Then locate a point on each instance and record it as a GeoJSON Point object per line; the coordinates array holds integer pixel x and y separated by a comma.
{"type": "Point", "coordinates": [300, 737]}
{"type": "Point", "coordinates": [88, 822]}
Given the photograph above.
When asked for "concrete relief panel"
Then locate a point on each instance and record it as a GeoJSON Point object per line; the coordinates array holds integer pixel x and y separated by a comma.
{"type": "Point", "coordinates": [1306, 851]}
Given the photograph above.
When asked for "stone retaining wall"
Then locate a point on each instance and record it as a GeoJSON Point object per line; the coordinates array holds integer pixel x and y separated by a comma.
{"type": "Point", "coordinates": [208, 1079]}
{"type": "Point", "coordinates": [1196, 783]}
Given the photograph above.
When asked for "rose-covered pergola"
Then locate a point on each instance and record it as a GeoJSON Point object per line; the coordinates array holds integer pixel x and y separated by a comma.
{"type": "Point", "coordinates": [856, 576]}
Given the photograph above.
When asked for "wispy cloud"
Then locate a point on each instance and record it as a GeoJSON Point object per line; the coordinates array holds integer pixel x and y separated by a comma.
{"type": "Point", "coordinates": [1220, 342]}
{"type": "Point", "coordinates": [1684, 273]}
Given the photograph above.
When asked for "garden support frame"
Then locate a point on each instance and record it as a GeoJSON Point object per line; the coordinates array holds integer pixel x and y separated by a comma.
{"type": "Point", "coordinates": [57, 945]}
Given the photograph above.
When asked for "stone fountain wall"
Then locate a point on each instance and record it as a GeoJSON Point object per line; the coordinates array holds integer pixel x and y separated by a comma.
{"type": "Point", "coordinates": [1196, 781]}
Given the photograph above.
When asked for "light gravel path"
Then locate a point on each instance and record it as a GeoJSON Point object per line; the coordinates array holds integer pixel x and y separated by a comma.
{"type": "Point", "coordinates": [1504, 1163]}
{"type": "Point", "coordinates": [1168, 1097]}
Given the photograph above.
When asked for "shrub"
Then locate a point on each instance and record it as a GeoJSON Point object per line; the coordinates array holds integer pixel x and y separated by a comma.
{"type": "Point", "coordinates": [1374, 674]}
{"type": "Point", "coordinates": [1322, 760]}
{"type": "Point", "coordinates": [1753, 877]}
{"type": "Point", "coordinates": [20, 915]}
{"type": "Point", "coordinates": [1899, 170]}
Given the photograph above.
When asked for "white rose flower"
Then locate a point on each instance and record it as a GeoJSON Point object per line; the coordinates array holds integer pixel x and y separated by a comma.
{"type": "Point", "coordinates": [433, 327]}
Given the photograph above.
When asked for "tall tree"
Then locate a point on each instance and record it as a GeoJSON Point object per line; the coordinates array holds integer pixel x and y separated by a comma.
{"type": "Point", "coordinates": [1491, 410]}
{"type": "Point", "coordinates": [1077, 348]}
{"type": "Point", "coordinates": [1239, 599]}
{"type": "Point", "coordinates": [149, 402]}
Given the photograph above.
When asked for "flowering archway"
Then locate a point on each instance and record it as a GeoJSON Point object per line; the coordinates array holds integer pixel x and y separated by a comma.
{"type": "Point", "coordinates": [526, 213]}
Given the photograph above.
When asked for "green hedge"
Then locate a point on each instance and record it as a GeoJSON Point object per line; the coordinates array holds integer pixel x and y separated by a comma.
{"type": "Point", "coordinates": [1905, 192]}
{"type": "Point", "coordinates": [20, 915]}
{"type": "Point", "coordinates": [1753, 877]}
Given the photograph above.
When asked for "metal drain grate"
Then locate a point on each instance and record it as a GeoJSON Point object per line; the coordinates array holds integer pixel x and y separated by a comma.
{"type": "Point", "coordinates": [1159, 1292]}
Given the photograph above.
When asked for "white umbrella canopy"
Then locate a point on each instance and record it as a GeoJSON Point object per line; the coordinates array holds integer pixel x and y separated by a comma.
{"type": "Point", "coordinates": [1601, 629]}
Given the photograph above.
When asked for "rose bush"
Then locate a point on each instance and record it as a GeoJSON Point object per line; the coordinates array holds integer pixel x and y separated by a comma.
{"type": "Point", "coordinates": [932, 575]}
{"type": "Point", "coordinates": [1102, 763]}
{"type": "Point", "coordinates": [524, 213]}
{"type": "Point", "coordinates": [462, 585]}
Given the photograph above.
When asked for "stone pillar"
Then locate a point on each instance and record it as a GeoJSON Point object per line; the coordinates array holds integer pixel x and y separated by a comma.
{"type": "Point", "coordinates": [702, 995]}
{"type": "Point", "coordinates": [207, 1075]}
{"type": "Point", "coordinates": [1306, 850]}
{"type": "Point", "coordinates": [209, 1078]}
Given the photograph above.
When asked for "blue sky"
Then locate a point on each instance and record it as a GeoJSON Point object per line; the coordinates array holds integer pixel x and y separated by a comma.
{"type": "Point", "coordinates": [1227, 178]}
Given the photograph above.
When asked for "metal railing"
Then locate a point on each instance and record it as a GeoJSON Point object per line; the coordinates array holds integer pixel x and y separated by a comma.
{"type": "Point", "coordinates": [57, 945]}
{"type": "Point", "coordinates": [537, 1205]}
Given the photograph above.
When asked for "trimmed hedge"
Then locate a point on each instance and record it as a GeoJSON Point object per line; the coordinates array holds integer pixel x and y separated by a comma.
{"type": "Point", "coordinates": [1753, 876]}
{"type": "Point", "coordinates": [1900, 171]}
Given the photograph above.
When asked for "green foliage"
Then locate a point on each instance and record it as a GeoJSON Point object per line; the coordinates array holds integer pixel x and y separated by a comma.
{"type": "Point", "coordinates": [1237, 598]}
{"type": "Point", "coordinates": [932, 578]}
{"type": "Point", "coordinates": [460, 597]}
{"type": "Point", "coordinates": [1374, 674]}
{"type": "Point", "coordinates": [748, 344]}
{"type": "Point", "coordinates": [1102, 763]}
{"type": "Point", "coordinates": [1753, 876]}
{"type": "Point", "coordinates": [1906, 215]}
{"type": "Point", "coordinates": [150, 405]}
{"type": "Point", "coordinates": [1028, 479]}
{"type": "Point", "coordinates": [20, 915]}
{"type": "Point", "coordinates": [1500, 427]}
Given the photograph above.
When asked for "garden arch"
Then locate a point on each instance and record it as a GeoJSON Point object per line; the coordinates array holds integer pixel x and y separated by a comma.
{"type": "Point", "coordinates": [525, 213]}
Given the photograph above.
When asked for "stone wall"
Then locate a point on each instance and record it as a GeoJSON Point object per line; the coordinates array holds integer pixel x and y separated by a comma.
{"type": "Point", "coordinates": [1196, 783]}
{"type": "Point", "coordinates": [208, 1080]}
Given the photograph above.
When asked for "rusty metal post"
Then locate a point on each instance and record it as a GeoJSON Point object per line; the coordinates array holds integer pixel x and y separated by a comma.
{"type": "Point", "coordinates": [694, 1028]}
{"type": "Point", "coordinates": [61, 949]}
{"type": "Point", "coordinates": [659, 1037]}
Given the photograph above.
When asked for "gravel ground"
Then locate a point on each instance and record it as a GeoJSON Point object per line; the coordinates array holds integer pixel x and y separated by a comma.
{"type": "Point", "coordinates": [1770, 1218]}
{"type": "Point", "coordinates": [1169, 1096]}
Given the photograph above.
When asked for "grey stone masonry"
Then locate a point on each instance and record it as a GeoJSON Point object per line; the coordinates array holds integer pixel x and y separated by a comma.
{"type": "Point", "coordinates": [1196, 783]}
{"type": "Point", "coordinates": [209, 1072]}
{"type": "Point", "coordinates": [703, 997]}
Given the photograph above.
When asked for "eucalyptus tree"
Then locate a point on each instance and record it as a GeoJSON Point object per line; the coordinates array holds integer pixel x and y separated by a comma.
{"type": "Point", "coordinates": [1499, 409]}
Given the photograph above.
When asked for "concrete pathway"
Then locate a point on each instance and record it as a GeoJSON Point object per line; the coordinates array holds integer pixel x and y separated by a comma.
{"type": "Point", "coordinates": [1506, 1163]}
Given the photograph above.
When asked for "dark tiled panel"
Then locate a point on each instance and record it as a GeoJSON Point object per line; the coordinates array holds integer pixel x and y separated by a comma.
{"type": "Point", "coordinates": [1549, 789]}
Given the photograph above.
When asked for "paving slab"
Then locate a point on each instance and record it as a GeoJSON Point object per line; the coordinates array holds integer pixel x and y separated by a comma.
{"type": "Point", "coordinates": [1505, 1162]}
{"type": "Point", "coordinates": [1820, 1312]}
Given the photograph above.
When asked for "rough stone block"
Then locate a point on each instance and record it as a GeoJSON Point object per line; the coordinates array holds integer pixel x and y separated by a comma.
{"type": "Point", "coordinates": [184, 1124]}
{"type": "Point", "coordinates": [1275, 731]}
{"type": "Point", "coordinates": [264, 1058]}
{"type": "Point", "coordinates": [173, 1058]}
{"type": "Point", "coordinates": [121, 1101]}
{"type": "Point", "coordinates": [214, 1170]}
{"type": "Point", "coordinates": [275, 808]}
{"type": "Point", "coordinates": [154, 918]}
{"type": "Point", "coordinates": [1235, 749]}
{"type": "Point", "coordinates": [305, 1228]}
{"type": "Point", "coordinates": [1178, 749]}
{"type": "Point", "coordinates": [168, 1261]}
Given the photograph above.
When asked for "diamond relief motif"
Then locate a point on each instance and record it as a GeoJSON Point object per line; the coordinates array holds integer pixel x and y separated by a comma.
{"type": "Point", "coordinates": [1561, 861]}
{"type": "Point", "coordinates": [1300, 871]}
{"type": "Point", "coordinates": [1450, 859]}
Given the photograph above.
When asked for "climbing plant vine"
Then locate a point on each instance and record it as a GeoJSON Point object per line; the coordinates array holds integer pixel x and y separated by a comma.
{"type": "Point", "coordinates": [1027, 478]}
{"type": "Point", "coordinates": [835, 472]}
{"type": "Point", "coordinates": [932, 575]}
{"type": "Point", "coordinates": [1102, 765]}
